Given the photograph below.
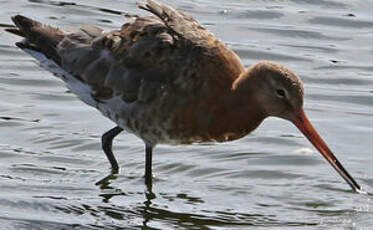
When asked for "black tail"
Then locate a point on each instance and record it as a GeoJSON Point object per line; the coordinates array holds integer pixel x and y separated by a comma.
{"type": "Point", "coordinates": [39, 37]}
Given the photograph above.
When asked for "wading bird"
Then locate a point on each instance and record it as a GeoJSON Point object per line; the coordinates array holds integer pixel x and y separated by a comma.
{"type": "Point", "coordinates": [168, 80]}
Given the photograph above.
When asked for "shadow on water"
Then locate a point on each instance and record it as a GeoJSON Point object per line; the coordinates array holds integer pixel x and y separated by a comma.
{"type": "Point", "coordinates": [153, 215]}
{"type": "Point", "coordinates": [220, 219]}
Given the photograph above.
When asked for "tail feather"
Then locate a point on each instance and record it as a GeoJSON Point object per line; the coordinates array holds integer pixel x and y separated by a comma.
{"type": "Point", "coordinates": [15, 31]}
{"type": "Point", "coordinates": [39, 37]}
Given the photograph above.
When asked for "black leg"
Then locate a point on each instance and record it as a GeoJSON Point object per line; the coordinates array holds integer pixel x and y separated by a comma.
{"type": "Point", "coordinates": [107, 143]}
{"type": "Point", "coordinates": [148, 165]}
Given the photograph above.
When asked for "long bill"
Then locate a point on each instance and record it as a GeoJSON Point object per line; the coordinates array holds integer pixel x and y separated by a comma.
{"type": "Point", "coordinates": [305, 126]}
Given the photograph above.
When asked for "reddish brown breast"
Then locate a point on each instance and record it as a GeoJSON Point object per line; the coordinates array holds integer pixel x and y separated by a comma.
{"type": "Point", "coordinates": [214, 113]}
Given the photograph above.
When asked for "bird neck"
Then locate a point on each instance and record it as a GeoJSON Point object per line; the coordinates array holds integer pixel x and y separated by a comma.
{"type": "Point", "coordinates": [247, 111]}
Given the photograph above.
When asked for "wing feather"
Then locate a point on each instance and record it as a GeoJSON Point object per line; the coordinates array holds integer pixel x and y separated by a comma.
{"type": "Point", "coordinates": [179, 22]}
{"type": "Point", "coordinates": [139, 61]}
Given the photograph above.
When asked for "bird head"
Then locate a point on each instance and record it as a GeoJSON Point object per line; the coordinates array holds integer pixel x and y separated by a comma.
{"type": "Point", "coordinates": [277, 91]}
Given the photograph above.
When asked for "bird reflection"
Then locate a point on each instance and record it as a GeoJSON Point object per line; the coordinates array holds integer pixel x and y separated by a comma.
{"type": "Point", "coordinates": [105, 182]}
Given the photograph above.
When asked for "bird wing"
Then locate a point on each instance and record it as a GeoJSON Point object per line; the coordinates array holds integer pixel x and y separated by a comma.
{"type": "Point", "coordinates": [137, 62]}
{"type": "Point", "coordinates": [182, 24]}
{"type": "Point", "coordinates": [141, 61]}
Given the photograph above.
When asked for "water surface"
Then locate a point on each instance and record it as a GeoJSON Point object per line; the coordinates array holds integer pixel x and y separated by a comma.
{"type": "Point", "coordinates": [53, 173]}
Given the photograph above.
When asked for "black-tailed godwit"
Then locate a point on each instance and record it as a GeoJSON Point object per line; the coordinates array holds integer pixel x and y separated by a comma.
{"type": "Point", "coordinates": [168, 80]}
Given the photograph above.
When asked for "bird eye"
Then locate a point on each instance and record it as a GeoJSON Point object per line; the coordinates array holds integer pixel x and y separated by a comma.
{"type": "Point", "coordinates": [280, 93]}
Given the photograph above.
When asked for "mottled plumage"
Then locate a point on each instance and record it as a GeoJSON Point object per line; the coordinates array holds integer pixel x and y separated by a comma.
{"type": "Point", "coordinates": [168, 80]}
{"type": "Point", "coordinates": [158, 65]}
